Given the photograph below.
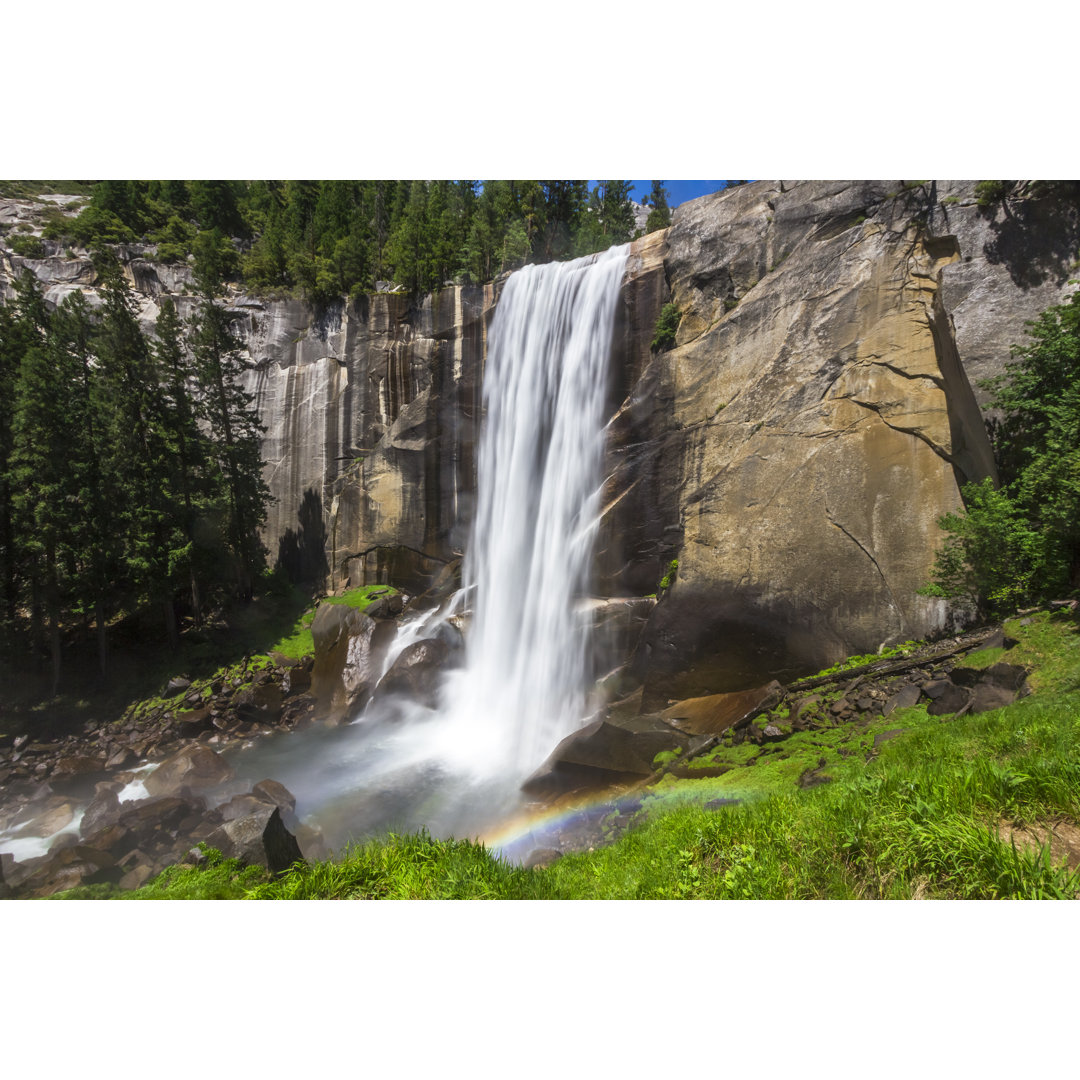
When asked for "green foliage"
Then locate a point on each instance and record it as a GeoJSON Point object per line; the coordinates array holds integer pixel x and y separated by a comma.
{"type": "Point", "coordinates": [159, 497]}
{"type": "Point", "coordinates": [660, 215]}
{"type": "Point", "coordinates": [1022, 542]}
{"type": "Point", "coordinates": [869, 658]}
{"type": "Point", "coordinates": [668, 578]}
{"type": "Point", "coordinates": [989, 193]}
{"type": "Point", "coordinates": [298, 642]}
{"type": "Point", "coordinates": [331, 239]}
{"type": "Point", "coordinates": [666, 326]}
{"type": "Point", "coordinates": [665, 757]}
{"type": "Point", "coordinates": [29, 247]}
{"type": "Point", "coordinates": [992, 555]}
{"type": "Point", "coordinates": [217, 878]}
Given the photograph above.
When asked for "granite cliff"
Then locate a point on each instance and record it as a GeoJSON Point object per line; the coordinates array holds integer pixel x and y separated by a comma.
{"type": "Point", "coordinates": [793, 451]}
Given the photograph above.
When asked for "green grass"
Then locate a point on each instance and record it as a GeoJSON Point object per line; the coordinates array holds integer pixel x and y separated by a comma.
{"type": "Point", "coordinates": [218, 879]}
{"type": "Point", "coordinates": [297, 642]}
{"type": "Point", "coordinates": [922, 816]}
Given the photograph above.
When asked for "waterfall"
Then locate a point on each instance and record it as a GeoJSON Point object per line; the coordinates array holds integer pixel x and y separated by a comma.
{"type": "Point", "coordinates": [538, 485]}
{"type": "Point", "coordinates": [457, 769]}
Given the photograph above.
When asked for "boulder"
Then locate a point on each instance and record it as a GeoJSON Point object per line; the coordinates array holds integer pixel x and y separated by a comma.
{"type": "Point", "coordinates": [193, 723]}
{"type": "Point", "coordinates": [72, 765]}
{"type": "Point", "coordinates": [46, 816]}
{"type": "Point", "coordinates": [604, 753]}
{"type": "Point", "coordinates": [260, 704]}
{"type": "Point", "coordinates": [259, 838]}
{"type": "Point", "coordinates": [715, 713]}
{"type": "Point", "coordinates": [104, 809]}
{"type": "Point", "coordinates": [158, 820]}
{"type": "Point", "coordinates": [177, 685]}
{"type": "Point", "coordinates": [137, 877]}
{"type": "Point", "coordinates": [123, 758]}
{"type": "Point", "coordinates": [541, 857]}
{"type": "Point", "coordinates": [947, 697]}
{"type": "Point", "coordinates": [193, 767]}
{"type": "Point", "coordinates": [69, 868]}
{"type": "Point", "coordinates": [115, 839]}
{"type": "Point", "coordinates": [277, 794]}
{"type": "Point", "coordinates": [417, 672]}
{"type": "Point", "coordinates": [345, 665]}
{"type": "Point", "coordinates": [386, 607]}
{"type": "Point", "coordinates": [295, 681]}
{"type": "Point", "coordinates": [992, 687]}
{"type": "Point", "coordinates": [903, 698]}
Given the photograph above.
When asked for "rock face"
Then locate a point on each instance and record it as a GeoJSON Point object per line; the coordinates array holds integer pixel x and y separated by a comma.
{"type": "Point", "coordinates": [371, 412]}
{"type": "Point", "coordinates": [813, 421]}
{"type": "Point", "coordinates": [793, 451]}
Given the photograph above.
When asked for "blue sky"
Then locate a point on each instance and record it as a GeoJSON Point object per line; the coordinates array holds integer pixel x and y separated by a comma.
{"type": "Point", "coordinates": [678, 190]}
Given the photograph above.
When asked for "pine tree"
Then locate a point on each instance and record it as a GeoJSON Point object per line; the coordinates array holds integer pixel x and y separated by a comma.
{"type": "Point", "coordinates": [616, 212]}
{"type": "Point", "coordinates": [234, 431]}
{"type": "Point", "coordinates": [408, 250]}
{"type": "Point", "coordinates": [52, 474]}
{"type": "Point", "coordinates": [132, 404]}
{"type": "Point", "coordinates": [188, 483]}
{"type": "Point", "coordinates": [23, 323]}
{"type": "Point", "coordinates": [659, 216]}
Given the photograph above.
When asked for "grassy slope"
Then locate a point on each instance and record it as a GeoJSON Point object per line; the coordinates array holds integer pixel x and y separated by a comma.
{"type": "Point", "coordinates": [921, 817]}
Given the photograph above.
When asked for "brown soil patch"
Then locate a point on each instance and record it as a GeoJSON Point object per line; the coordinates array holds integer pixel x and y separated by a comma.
{"type": "Point", "coordinates": [1063, 837]}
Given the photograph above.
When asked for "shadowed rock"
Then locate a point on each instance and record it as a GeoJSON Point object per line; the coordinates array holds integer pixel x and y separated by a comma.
{"type": "Point", "coordinates": [417, 672]}
{"type": "Point", "coordinates": [259, 838]}
{"type": "Point", "coordinates": [604, 753]}
{"type": "Point", "coordinates": [946, 697]}
{"type": "Point", "coordinates": [904, 698]}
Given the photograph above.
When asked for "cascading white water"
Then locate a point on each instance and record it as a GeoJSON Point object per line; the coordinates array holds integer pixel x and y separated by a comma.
{"type": "Point", "coordinates": [539, 465]}
{"type": "Point", "coordinates": [458, 769]}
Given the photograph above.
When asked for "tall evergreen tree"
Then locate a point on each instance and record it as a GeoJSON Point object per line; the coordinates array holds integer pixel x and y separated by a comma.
{"type": "Point", "coordinates": [132, 403]}
{"type": "Point", "coordinates": [659, 216]}
{"type": "Point", "coordinates": [23, 323]}
{"type": "Point", "coordinates": [234, 430]}
{"type": "Point", "coordinates": [564, 203]}
{"type": "Point", "coordinates": [616, 213]}
{"type": "Point", "coordinates": [188, 484]}
{"type": "Point", "coordinates": [51, 473]}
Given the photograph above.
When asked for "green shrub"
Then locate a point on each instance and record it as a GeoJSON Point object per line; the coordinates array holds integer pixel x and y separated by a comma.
{"type": "Point", "coordinates": [666, 326]}
{"type": "Point", "coordinates": [988, 193]}
{"type": "Point", "coordinates": [669, 577]}
{"type": "Point", "coordinates": [29, 247]}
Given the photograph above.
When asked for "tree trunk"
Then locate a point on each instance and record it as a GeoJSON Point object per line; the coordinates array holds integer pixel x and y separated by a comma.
{"type": "Point", "coordinates": [196, 609]}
